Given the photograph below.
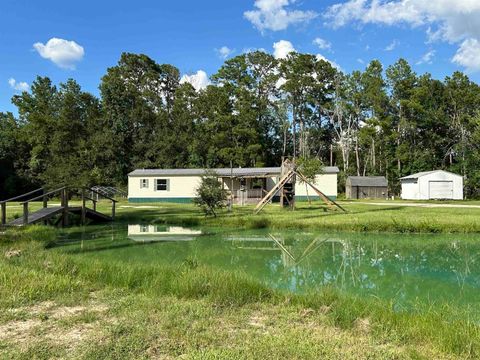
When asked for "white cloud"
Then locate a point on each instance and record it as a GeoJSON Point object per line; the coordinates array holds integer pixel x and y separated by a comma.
{"type": "Point", "coordinates": [468, 55]}
{"type": "Point", "coordinates": [18, 86]}
{"type": "Point", "coordinates": [199, 80]}
{"type": "Point", "coordinates": [322, 43]}
{"type": "Point", "coordinates": [282, 48]}
{"type": "Point", "coordinates": [426, 58]}
{"type": "Point", "coordinates": [275, 15]}
{"type": "Point", "coordinates": [333, 63]}
{"type": "Point", "coordinates": [63, 53]}
{"type": "Point", "coordinates": [391, 46]}
{"type": "Point", "coordinates": [453, 21]}
{"type": "Point", "coordinates": [224, 52]}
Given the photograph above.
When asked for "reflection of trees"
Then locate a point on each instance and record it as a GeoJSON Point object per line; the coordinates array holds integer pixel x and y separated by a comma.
{"type": "Point", "coordinates": [403, 270]}
{"type": "Point", "coordinates": [398, 267]}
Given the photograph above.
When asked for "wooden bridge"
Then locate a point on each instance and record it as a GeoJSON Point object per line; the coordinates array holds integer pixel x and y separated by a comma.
{"type": "Point", "coordinates": [46, 214]}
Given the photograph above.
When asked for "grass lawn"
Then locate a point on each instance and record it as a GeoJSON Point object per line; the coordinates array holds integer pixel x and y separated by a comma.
{"type": "Point", "coordinates": [54, 305]}
{"type": "Point", "coordinates": [360, 216]}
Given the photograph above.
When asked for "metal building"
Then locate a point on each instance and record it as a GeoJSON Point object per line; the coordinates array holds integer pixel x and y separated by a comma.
{"type": "Point", "coordinates": [436, 184]}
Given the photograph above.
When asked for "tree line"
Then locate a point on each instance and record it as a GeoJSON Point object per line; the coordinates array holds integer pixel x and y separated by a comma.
{"type": "Point", "coordinates": [390, 122]}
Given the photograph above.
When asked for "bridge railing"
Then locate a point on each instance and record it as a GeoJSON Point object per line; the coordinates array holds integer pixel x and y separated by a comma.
{"type": "Point", "coordinates": [3, 204]}
{"type": "Point", "coordinates": [64, 193]}
{"type": "Point", "coordinates": [94, 200]}
{"type": "Point", "coordinates": [44, 197]}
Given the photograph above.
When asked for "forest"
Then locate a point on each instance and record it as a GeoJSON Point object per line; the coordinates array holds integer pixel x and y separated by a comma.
{"type": "Point", "coordinates": [379, 121]}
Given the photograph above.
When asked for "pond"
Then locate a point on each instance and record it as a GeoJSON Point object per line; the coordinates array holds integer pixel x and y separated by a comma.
{"type": "Point", "coordinates": [406, 270]}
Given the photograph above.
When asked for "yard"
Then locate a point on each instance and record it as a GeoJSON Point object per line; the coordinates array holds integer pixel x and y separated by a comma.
{"type": "Point", "coordinates": [55, 305]}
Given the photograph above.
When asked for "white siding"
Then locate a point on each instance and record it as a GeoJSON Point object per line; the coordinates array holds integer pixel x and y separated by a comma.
{"type": "Point", "coordinates": [178, 187]}
{"type": "Point", "coordinates": [410, 190]}
{"type": "Point", "coordinates": [326, 183]}
{"type": "Point", "coordinates": [185, 186]}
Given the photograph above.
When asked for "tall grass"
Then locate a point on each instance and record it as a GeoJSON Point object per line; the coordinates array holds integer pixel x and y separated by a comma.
{"type": "Point", "coordinates": [39, 275]}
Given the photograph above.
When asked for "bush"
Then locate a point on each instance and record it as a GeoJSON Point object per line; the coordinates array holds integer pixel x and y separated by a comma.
{"type": "Point", "coordinates": [210, 194]}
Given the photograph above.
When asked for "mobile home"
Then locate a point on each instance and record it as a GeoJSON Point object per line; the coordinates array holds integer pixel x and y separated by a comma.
{"type": "Point", "coordinates": [248, 185]}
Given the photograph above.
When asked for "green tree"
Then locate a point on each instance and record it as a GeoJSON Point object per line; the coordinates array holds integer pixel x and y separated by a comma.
{"type": "Point", "coordinates": [210, 196]}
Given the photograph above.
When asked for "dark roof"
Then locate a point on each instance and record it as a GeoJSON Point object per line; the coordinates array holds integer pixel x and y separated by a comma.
{"type": "Point", "coordinates": [375, 181]}
{"type": "Point", "coordinates": [261, 171]}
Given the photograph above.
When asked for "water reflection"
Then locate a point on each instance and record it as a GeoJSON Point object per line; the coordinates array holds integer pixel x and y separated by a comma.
{"type": "Point", "coordinates": [405, 269]}
{"type": "Point", "coordinates": [155, 233]}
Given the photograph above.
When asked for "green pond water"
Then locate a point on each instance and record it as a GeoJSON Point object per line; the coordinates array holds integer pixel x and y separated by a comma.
{"type": "Point", "coordinates": [406, 270]}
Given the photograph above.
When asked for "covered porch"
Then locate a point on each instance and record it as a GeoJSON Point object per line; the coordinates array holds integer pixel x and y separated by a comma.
{"type": "Point", "coordinates": [248, 189]}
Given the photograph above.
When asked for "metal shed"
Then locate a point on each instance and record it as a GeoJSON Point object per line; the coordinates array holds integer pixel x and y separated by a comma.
{"type": "Point", "coordinates": [436, 184]}
{"type": "Point", "coordinates": [366, 187]}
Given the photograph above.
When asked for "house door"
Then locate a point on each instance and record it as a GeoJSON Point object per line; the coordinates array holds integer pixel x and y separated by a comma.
{"type": "Point", "coordinates": [440, 189]}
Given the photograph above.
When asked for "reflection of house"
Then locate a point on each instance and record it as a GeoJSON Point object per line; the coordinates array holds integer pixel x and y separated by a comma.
{"type": "Point", "coordinates": [366, 187]}
{"type": "Point", "coordinates": [151, 233]}
{"type": "Point", "coordinates": [247, 184]}
{"type": "Point", "coordinates": [437, 184]}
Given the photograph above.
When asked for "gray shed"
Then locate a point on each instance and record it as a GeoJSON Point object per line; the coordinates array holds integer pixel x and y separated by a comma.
{"type": "Point", "coordinates": [366, 187]}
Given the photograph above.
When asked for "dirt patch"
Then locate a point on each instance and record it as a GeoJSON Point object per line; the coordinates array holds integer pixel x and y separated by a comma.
{"type": "Point", "coordinates": [44, 322]}
{"type": "Point", "coordinates": [72, 337]}
{"type": "Point", "coordinates": [363, 325]}
{"type": "Point", "coordinates": [18, 331]}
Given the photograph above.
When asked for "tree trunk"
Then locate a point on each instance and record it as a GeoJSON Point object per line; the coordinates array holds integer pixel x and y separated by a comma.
{"type": "Point", "coordinates": [357, 156]}
{"type": "Point", "coordinates": [294, 132]}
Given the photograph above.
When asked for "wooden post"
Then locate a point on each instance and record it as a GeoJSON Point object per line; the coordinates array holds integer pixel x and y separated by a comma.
{"type": "Point", "coordinates": [65, 207]}
{"type": "Point", "coordinates": [45, 202]}
{"type": "Point", "coordinates": [113, 210]}
{"type": "Point", "coordinates": [83, 207]}
{"type": "Point", "coordinates": [94, 204]}
{"type": "Point", "coordinates": [25, 213]}
{"type": "Point", "coordinates": [4, 213]}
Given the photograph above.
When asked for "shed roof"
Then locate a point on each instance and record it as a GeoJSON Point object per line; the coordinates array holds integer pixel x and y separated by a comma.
{"type": "Point", "coordinates": [423, 173]}
{"type": "Point", "coordinates": [374, 181]}
{"type": "Point", "coordinates": [237, 172]}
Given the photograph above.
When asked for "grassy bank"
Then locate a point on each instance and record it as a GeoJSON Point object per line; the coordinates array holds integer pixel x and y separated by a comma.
{"type": "Point", "coordinates": [57, 305]}
{"type": "Point", "coordinates": [360, 217]}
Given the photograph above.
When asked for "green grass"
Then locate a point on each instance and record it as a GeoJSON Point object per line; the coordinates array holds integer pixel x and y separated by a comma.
{"type": "Point", "coordinates": [75, 307]}
{"type": "Point", "coordinates": [359, 217]}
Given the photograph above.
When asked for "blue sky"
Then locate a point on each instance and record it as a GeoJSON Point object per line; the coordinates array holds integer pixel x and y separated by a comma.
{"type": "Point", "coordinates": [434, 36]}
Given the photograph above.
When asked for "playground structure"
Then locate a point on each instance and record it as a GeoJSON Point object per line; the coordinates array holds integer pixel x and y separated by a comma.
{"type": "Point", "coordinates": [286, 187]}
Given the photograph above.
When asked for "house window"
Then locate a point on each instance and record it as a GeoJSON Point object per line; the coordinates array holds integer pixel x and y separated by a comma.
{"type": "Point", "coordinates": [161, 184]}
{"type": "Point", "coordinates": [143, 183]}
